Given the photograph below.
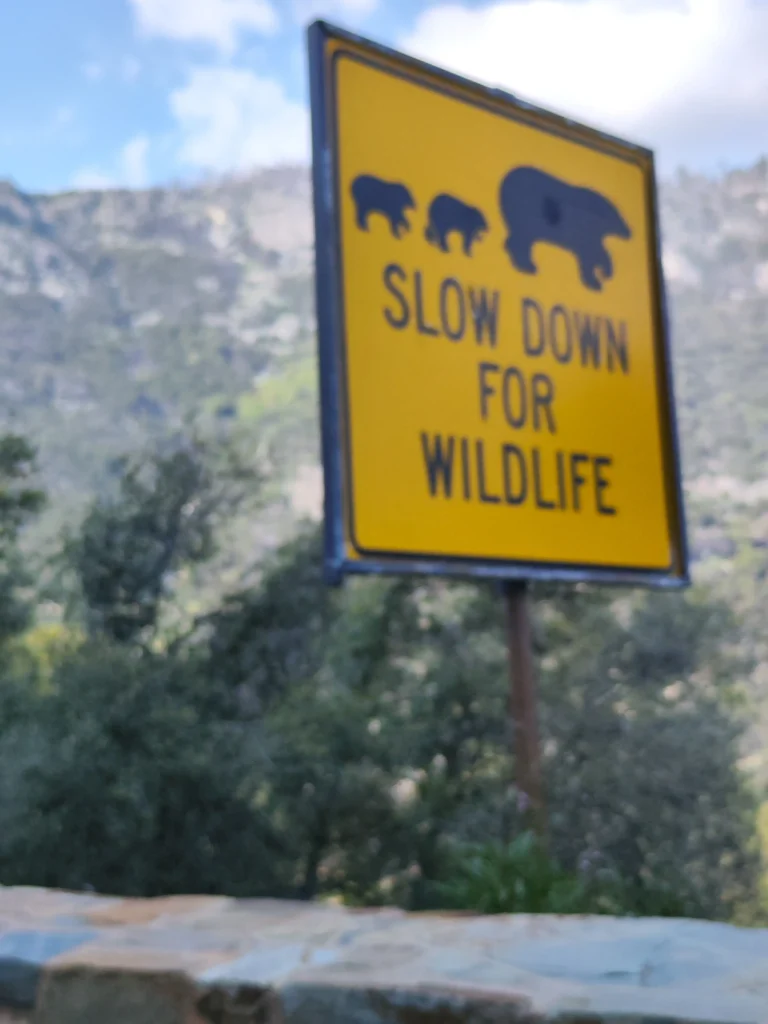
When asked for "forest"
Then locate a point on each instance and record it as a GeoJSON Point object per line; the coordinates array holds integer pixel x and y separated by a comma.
{"type": "Point", "coordinates": [296, 740]}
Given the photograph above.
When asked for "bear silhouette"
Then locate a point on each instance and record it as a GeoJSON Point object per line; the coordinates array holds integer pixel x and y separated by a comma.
{"type": "Point", "coordinates": [390, 198]}
{"type": "Point", "coordinates": [448, 214]}
{"type": "Point", "coordinates": [538, 207]}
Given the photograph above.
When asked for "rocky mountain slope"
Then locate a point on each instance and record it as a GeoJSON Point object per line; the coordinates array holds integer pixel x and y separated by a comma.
{"type": "Point", "coordinates": [123, 314]}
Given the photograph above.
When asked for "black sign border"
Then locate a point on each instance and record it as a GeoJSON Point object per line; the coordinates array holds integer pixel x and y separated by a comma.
{"type": "Point", "coordinates": [338, 510]}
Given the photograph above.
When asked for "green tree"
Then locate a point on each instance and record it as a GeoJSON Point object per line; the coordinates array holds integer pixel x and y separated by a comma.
{"type": "Point", "coordinates": [304, 659]}
{"type": "Point", "coordinates": [128, 778]}
{"type": "Point", "coordinates": [396, 692]}
{"type": "Point", "coordinates": [642, 741]}
{"type": "Point", "coordinates": [305, 740]}
{"type": "Point", "coordinates": [166, 512]}
{"type": "Point", "coordinates": [443, 721]}
{"type": "Point", "coordinates": [330, 791]}
{"type": "Point", "coordinates": [20, 501]}
{"type": "Point", "coordinates": [264, 639]}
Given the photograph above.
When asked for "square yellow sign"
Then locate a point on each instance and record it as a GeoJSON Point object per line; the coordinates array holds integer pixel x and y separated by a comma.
{"type": "Point", "coordinates": [496, 384]}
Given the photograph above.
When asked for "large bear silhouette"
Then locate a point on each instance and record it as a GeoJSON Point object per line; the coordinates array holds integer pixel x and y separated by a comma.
{"type": "Point", "coordinates": [448, 214]}
{"type": "Point", "coordinates": [390, 198]}
{"type": "Point", "coordinates": [538, 207]}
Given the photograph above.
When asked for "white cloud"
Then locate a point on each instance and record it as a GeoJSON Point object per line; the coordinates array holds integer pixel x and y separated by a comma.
{"type": "Point", "coordinates": [219, 22]}
{"type": "Point", "coordinates": [687, 76]}
{"type": "Point", "coordinates": [231, 119]}
{"type": "Point", "coordinates": [89, 179]}
{"type": "Point", "coordinates": [131, 69]}
{"type": "Point", "coordinates": [64, 116]}
{"type": "Point", "coordinates": [130, 170]}
{"type": "Point", "coordinates": [354, 10]}
{"type": "Point", "coordinates": [133, 162]}
{"type": "Point", "coordinates": [93, 71]}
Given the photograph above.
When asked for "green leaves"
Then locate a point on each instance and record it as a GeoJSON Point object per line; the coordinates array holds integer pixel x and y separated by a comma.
{"type": "Point", "coordinates": [302, 740]}
{"type": "Point", "coordinates": [522, 878]}
{"type": "Point", "coordinates": [20, 501]}
{"type": "Point", "coordinates": [517, 878]}
{"type": "Point", "coordinates": [126, 780]}
{"type": "Point", "coordinates": [165, 515]}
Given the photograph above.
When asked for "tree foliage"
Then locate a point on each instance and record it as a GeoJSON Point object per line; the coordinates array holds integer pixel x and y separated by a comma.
{"type": "Point", "coordinates": [306, 741]}
{"type": "Point", "coordinates": [132, 783]}
{"type": "Point", "coordinates": [163, 514]}
{"type": "Point", "coordinates": [20, 501]}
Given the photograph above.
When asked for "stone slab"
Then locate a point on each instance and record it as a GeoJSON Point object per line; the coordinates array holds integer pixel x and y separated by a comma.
{"type": "Point", "coordinates": [68, 957]}
{"type": "Point", "coordinates": [23, 955]}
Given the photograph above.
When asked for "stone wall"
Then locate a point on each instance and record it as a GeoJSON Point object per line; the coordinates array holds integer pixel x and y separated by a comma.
{"type": "Point", "coordinates": [81, 959]}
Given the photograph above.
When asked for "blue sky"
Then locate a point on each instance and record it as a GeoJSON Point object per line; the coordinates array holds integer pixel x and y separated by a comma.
{"type": "Point", "coordinates": [138, 92]}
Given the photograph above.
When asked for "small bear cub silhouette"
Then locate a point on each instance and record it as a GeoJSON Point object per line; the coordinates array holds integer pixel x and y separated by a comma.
{"type": "Point", "coordinates": [389, 198]}
{"type": "Point", "coordinates": [448, 214]}
{"type": "Point", "coordinates": [538, 207]}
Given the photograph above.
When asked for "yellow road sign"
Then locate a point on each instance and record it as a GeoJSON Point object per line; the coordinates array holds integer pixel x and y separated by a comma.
{"type": "Point", "coordinates": [496, 387]}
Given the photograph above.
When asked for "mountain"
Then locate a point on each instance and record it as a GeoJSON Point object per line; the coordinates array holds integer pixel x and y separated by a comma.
{"type": "Point", "coordinates": [124, 314]}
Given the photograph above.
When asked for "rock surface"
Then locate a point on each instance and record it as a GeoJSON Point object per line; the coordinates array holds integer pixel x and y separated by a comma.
{"type": "Point", "coordinates": [81, 959]}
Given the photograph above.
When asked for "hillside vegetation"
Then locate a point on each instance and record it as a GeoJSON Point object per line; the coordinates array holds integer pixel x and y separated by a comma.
{"type": "Point", "coordinates": [173, 664]}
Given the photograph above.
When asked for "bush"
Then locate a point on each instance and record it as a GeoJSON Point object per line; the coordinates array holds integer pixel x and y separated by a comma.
{"type": "Point", "coordinates": [127, 779]}
{"type": "Point", "coordinates": [522, 878]}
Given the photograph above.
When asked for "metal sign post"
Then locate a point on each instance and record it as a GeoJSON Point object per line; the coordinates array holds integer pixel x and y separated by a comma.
{"type": "Point", "coordinates": [495, 374]}
{"type": "Point", "coordinates": [522, 709]}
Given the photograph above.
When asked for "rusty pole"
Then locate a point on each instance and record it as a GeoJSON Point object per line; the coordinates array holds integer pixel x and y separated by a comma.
{"type": "Point", "coordinates": [522, 708]}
